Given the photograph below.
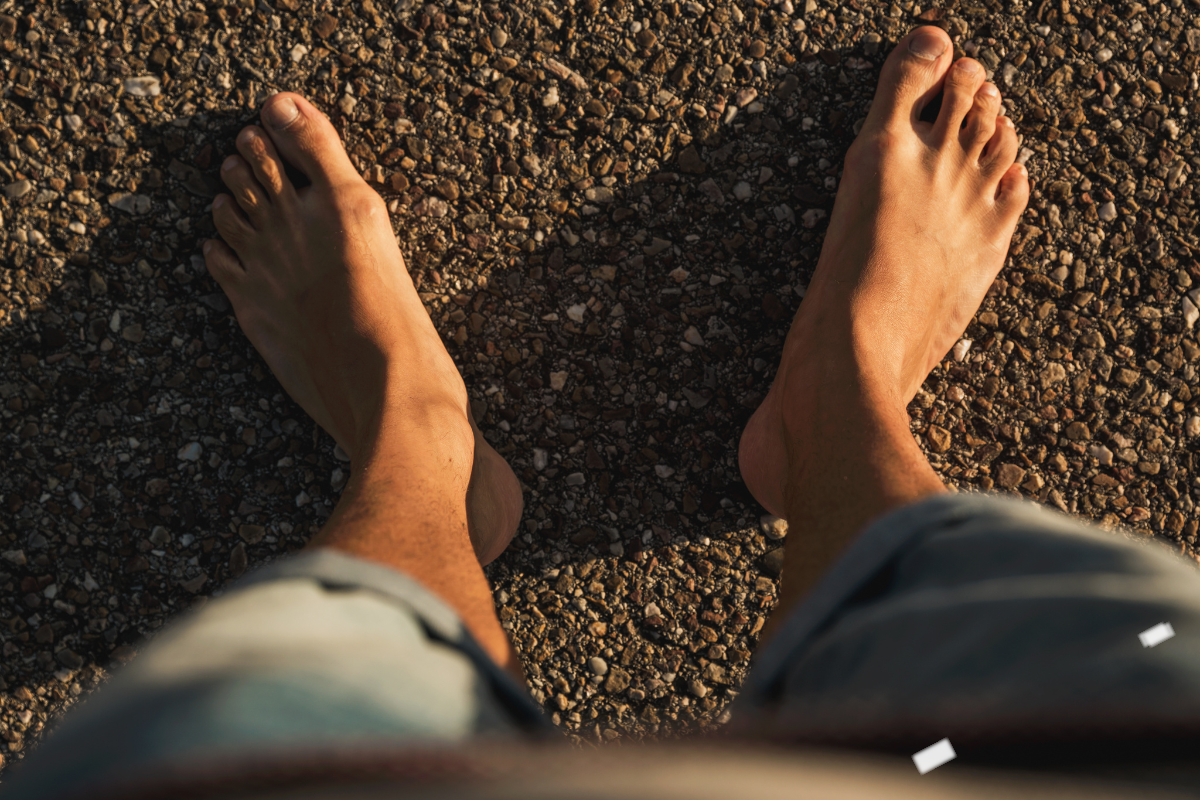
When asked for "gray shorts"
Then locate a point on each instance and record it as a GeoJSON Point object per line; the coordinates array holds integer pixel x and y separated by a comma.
{"type": "Point", "coordinates": [1009, 629]}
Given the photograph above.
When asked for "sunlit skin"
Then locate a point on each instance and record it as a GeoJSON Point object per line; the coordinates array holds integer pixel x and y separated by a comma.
{"type": "Point", "coordinates": [920, 228]}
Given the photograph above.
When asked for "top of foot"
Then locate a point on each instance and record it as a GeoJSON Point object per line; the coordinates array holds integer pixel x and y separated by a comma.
{"type": "Point", "coordinates": [923, 218]}
{"type": "Point", "coordinates": [320, 288]}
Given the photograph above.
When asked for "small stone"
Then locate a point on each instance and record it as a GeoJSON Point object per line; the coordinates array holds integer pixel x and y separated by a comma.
{"type": "Point", "coordinates": [558, 380]}
{"type": "Point", "coordinates": [17, 189]}
{"type": "Point", "coordinates": [136, 204]}
{"type": "Point", "coordinates": [143, 86]}
{"type": "Point", "coordinates": [938, 438]}
{"type": "Point", "coordinates": [1103, 55]}
{"type": "Point", "coordinates": [1107, 211]}
{"type": "Point", "coordinates": [961, 348]}
{"type": "Point", "coordinates": [693, 337]}
{"type": "Point", "coordinates": [746, 96]}
{"type": "Point", "coordinates": [617, 681]}
{"type": "Point", "coordinates": [69, 659]}
{"type": "Point", "coordinates": [302, 500]}
{"type": "Point", "coordinates": [742, 190]}
{"type": "Point", "coordinates": [195, 584]}
{"type": "Point", "coordinates": [756, 49]}
{"type": "Point", "coordinates": [772, 562]}
{"type": "Point", "coordinates": [499, 36]}
{"type": "Point", "coordinates": [576, 479]}
{"type": "Point", "coordinates": [73, 122]}
{"type": "Point", "coordinates": [598, 665]}
{"type": "Point", "coordinates": [325, 26]}
{"type": "Point", "coordinates": [691, 162]}
{"type": "Point", "coordinates": [1078, 432]}
{"type": "Point", "coordinates": [191, 452]}
{"type": "Point", "coordinates": [1190, 312]}
{"type": "Point", "coordinates": [347, 104]}
{"type": "Point", "coordinates": [773, 527]}
{"type": "Point", "coordinates": [15, 557]}
{"type": "Point", "coordinates": [697, 688]}
{"type": "Point", "coordinates": [1101, 454]}
{"type": "Point", "coordinates": [297, 53]}
{"type": "Point", "coordinates": [663, 471]}
{"type": "Point", "coordinates": [540, 459]}
{"type": "Point", "coordinates": [1009, 476]}
{"type": "Point", "coordinates": [575, 313]}
{"type": "Point", "coordinates": [1192, 427]}
{"type": "Point", "coordinates": [252, 534]}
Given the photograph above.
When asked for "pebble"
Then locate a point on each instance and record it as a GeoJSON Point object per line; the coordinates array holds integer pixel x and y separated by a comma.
{"type": "Point", "coordinates": [191, 452]}
{"type": "Point", "coordinates": [499, 36]}
{"type": "Point", "coordinates": [961, 348]}
{"type": "Point", "coordinates": [693, 337]}
{"type": "Point", "coordinates": [1190, 312]}
{"type": "Point", "coordinates": [576, 312]}
{"type": "Point", "coordinates": [143, 86]}
{"type": "Point", "coordinates": [774, 528]}
{"type": "Point", "coordinates": [1107, 211]}
{"type": "Point", "coordinates": [1193, 426]}
{"type": "Point", "coordinates": [136, 204]}
{"type": "Point", "coordinates": [598, 665]}
{"type": "Point", "coordinates": [17, 189]}
{"type": "Point", "coordinates": [742, 190]}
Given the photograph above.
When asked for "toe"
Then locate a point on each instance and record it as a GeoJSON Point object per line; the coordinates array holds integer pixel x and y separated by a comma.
{"type": "Point", "coordinates": [245, 188]}
{"type": "Point", "coordinates": [231, 223]}
{"type": "Point", "coordinates": [981, 120]}
{"type": "Point", "coordinates": [306, 138]}
{"type": "Point", "coordinates": [1013, 193]}
{"type": "Point", "coordinates": [910, 78]}
{"type": "Point", "coordinates": [259, 152]}
{"type": "Point", "coordinates": [223, 264]}
{"type": "Point", "coordinates": [1001, 150]}
{"type": "Point", "coordinates": [958, 96]}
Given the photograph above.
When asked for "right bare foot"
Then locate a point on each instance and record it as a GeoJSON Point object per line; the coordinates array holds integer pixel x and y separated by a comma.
{"type": "Point", "coordinates": [919, 231]}
{"type": "Point", "coordinates": [320, 288]}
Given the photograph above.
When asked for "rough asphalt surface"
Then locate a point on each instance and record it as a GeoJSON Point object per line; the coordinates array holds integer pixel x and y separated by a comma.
{"type": "Point", "coordinates": [611, 209]}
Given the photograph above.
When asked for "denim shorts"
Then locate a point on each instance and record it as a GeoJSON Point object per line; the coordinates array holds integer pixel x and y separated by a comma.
{"type": "Point", "coordinates": [1012, 630]}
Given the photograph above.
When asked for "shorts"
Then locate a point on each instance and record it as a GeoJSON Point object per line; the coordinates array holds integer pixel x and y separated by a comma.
{"type": "Point", "coordinates": [1010, 629]}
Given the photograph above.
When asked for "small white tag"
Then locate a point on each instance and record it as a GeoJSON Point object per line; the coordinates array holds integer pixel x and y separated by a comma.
{"type": "Point", "coordinates": [934, 756]}
{"type": "Point", "coordinates": [1156, 635]}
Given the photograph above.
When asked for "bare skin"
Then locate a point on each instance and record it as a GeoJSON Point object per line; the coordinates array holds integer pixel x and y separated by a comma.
{"type": "Point", "coordinates": [320, 288]}
{"type": "Point", "coordinates": [922, 222]}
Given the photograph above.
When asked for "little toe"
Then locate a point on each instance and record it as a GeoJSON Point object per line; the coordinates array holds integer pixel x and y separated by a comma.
{"type": "Point", "coordinates": [1012, 195]}
{"type": "Point", "coordinates": [1001, 150]}
{"type": "Point", "coordinates": [306, 138]}
{"type": "Point", "coordinates": [259, 152]}
{"type": "Point", "coordinates": [231, 223]}
{"type": "Point", "coordinates": [981, 120]}
{"type": "Point", "coordinates": [244, 187]}
{"type": "Point", "coordinates": [958, 96]}
{"type": "Point", "coordinates": [223, 264]}
{"type": "Point", "coordinates": [910, 78]}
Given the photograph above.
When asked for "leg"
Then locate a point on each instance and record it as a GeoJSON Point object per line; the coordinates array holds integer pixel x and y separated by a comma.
{"type": "Point", "coordinates": [918, 233]}
{"type": "Point", "coordinates": [319, 286]}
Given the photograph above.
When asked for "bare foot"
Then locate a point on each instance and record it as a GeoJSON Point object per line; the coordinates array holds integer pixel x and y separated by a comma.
{"type": "Point", "coordinates": [919, 231]}
{"type": "Point", "coordinates": [320, 288]}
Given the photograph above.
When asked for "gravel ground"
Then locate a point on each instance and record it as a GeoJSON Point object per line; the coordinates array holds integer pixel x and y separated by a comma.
{"type": "Point", "coordinates": [611, 210]}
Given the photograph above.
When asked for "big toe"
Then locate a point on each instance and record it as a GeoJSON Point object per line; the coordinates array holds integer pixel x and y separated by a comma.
{"type": "Point", "coordinates": [911, 77]}
{"type": "Point", "coordinates": [306, 139]}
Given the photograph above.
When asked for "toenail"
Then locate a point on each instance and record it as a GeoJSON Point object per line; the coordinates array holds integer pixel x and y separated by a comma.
{"type": "Point", "coordinates": [282, 112]}
{"type": "Point", "coordinates": [989, 90]}
{"type": "Point", "coordinates": [207, 247]}
{"type": "Point", "coordinates": [927, 45]}
{"type": "Point", "coordinates": [228, 164]}
{"type": "Point", "coordinates": [218, 201]}
{"type": "Point", "coordinates": [963, 65]}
